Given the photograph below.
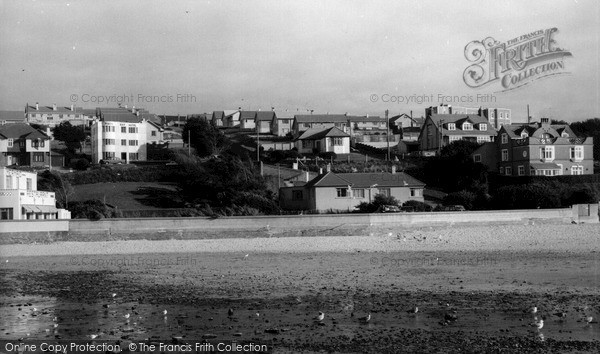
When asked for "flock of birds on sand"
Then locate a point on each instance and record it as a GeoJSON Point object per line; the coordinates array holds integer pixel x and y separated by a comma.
{"type": "Point", "coordinates": [450, 316]}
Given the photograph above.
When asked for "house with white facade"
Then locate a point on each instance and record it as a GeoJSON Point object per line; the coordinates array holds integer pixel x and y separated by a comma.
{"type": "Point", "coordinates": [20, 199]}
{"type": "Point", "coordinates": [23, 145]}
{"type": "Point", "coordinates": [323, 140]}
{"type": "Point", "coordinates": [123, 137]}
{"type": "Point", "coordinates": [54, 115]}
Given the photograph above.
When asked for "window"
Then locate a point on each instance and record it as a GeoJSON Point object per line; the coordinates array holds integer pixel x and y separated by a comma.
{"type": "Point", "coordinates": [123, 129]}
{"type": "Point", "coordinates": [21, 143]}
{"type": "Point", "coordinates": [297, 195]}
{"type": "Point", "coordinates": [384, 191]}
{"type": "Point", "coordinates": [108, 141]}
{"type": "Point", "coordinates": [42, 143]}
{"type": "Point", "coordinates": [338, 141]}
{"type": "Point", "coordinates": [9, 182]}
{"type": "Point", "coordinates": [133, 142]}
{"type": "Point", "coordinates": [501, 115]}
{"type": "Point", "coordinates": [576, 170]}
{"type": "Point", "coordinates": [451, 126]}
{"type": "Point", "coordinates": [133, 130]}
{"type": "Point", "coordinates": [108, 155]}
{"type": "Point", "coordinates": [547, 153]}
{"type": "Point", "coordinates": [29, 184]}
{"type": "Point", "coordinates": [10, 143]}
{"type": "Point", "coordinates": [38, 157]}
{"type": "Point", "coordinates": [521, 170]}
{"type": "Point", "coordinates": [416, 192]}
{"type": "Point", "coordinates": [501, 170]}
{"type": "Point", "coordinates": [482, 126]}
{"type": "Point", "coordinates": [133, 156]}
{"type": "Point", "coordinates": [108, 129]}
{"type": "Point", "coordinates": [504, 155]}
{"type": "Point", "coordinates": [306, 144]}
{"type": "Point", "coordinates": [576, 153]}
{"type": "Point", "coordinates": [123, 142]}
{"type": "Point", "coordinates": [342, 192]}
{"type": "Point", "coordinates": [6, 213]}
{"type": "Point", "coordinates": [467, 126]}
{"type": "Point", "coordinates": [508, 170]}
{"type": "Point", "coordinates": [483, 139]}
{"type": "Point", "coordinates": [477, 158]}
{"type": "Point", "coordinates": [524, 134]}
{"type": "Point", "coordinates": [306, 125]}
{"type": "Point", "coordinates": [358, 193]}
{"type": "Point", "coordinates": [452, 138]}
{"type": "Point", "coordinates": [504, 138]}
{"type": "Point", "coordinates": [153, 133]}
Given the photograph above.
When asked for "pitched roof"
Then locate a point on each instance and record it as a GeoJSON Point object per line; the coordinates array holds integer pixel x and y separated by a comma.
{"type": "Point", "coordinates": [321, 118]}
{"type": "Point", "coordinates": [265, 115]}
{"type": "Point", "coordinates": [366, 119]}
{"type": "Point", "coordinates": [247, 114]}
{"type": "Point", "coordinates": [13, 116]}
{"type": "Point", "coordinates": [364, 180]}
{"type": "Point", "coordinates": [50, 109]}
{"type": "Point", "coordinates": [218, 114]}
{"type": "Point", "coordinates": [118, 117]}
{"type": "Point", "coordinates": [21, 130]}
{"type": "Point", "coordinates": [320, 133]}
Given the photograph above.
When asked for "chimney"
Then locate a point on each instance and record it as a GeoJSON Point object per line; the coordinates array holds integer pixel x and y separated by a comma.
{"type": "Point", "coordinates": [133, 109]}
{"type": "Point", "coordinates": [37, 106]}
{"type": "Point", "coordinates": [394, 169]}
{"type": "Point", "coordinates": [307, 176]}
{"type": "Point", "coordinates": [71, 108]}
{"type": "Point", "coordinates": [54, 106]}
{"type": "Point", "coordinates": [367, 115]}
{"type": "Point", "coordinates": [321, 170]}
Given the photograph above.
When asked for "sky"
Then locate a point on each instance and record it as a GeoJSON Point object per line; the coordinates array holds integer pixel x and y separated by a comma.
{"type": "Point", "coordinates": [355, 57]}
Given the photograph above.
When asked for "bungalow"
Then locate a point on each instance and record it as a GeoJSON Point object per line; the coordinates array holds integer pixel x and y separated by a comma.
{"type": "Point", "coordinates": [323, 140]}
{"type": "Point", "coordinates": [402, 121]}
{"type": "Point", "coordinates": [21, 144]}
{"type": "Point", "coordinates": [302, 123]}
{"type": "Point", "coordinates": [263, 121]}
{"type": "Point", "coordinates": [247, 119]}
{"type": "Point", "coordinates": [281, 125]}
{"type": "Point", "coordinates": [344, 191]}
{"type": "Point", "coordinates": [231, 118]}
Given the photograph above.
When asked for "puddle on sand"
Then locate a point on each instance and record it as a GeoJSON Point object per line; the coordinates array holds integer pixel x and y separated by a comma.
{"type": "Point", "coordinates": [133, 321]}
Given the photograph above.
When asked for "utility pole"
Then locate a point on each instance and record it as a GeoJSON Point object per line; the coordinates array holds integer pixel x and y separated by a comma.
{"type": "Point", "coordinates": [388, 134]}
{"type": "Point", "coordinates": [257, 138]}
{"type": "Point", "coordinates": [441, 126]}
{"type": "Point", "coordinates": [189, 145]}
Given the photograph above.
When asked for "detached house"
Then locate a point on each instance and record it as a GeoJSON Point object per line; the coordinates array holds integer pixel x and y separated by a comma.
{"type": "Point", "coordinates": [323, 140]}
{"type": "Point", "coordinates": [263, 121]}
{"type": "Point", "coordinates": [344, 191]}
{"type": "Point", "coordinates": [302, 123]}
{"type": "Point", "coordinates": [540, 149]}
{"type": "Point", "coordinates": [442, 129]}
{"type": "Point", "coordinates": [247, 119]}
{"type": "Point", "coordinates": [21, 144]}
{"type": "Point", "coordinates": [231, 118]}
{"type": "Point", "coordinates": [122, 135]}
{"type": "Point", "coordinates": [281, 125]}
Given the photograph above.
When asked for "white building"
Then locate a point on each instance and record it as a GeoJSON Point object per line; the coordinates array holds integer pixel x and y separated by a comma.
{"type": "Point", "coordinates": [20, 199]}
{"type": "Point", "coordinates": [54, 115]}
{"type": "Point", "coordinates": [123, 137]}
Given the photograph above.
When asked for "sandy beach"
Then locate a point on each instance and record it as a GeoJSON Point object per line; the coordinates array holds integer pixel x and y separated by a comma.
{"type": "Point", "coordinates": [473, 287]}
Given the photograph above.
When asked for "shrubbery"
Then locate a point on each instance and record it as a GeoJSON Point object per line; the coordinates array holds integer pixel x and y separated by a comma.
{"type": "Point", "coordinates": [93, 210]}
{"type": "Point", "coordinates": [416, 205]}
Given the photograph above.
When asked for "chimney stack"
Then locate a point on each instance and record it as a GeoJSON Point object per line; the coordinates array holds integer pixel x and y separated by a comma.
{"type": "Point", "coordinates": [133, 109]}
{"type": "Point", "coordinates": [37, 106]}
{"type": "Point", "coordinates": [71, 108]}
{"type": "Point", "coordinates": [394, 169]}
{"type": "Point", "coordinates": [54, 106]}
{"type": "Point", "coordinates": [307, 174]}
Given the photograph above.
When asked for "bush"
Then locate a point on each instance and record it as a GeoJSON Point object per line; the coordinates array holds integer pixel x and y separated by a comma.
{"type": "Point", "coordinates": [80, 164]}
{"type": "Point", "coordinates": [464, 198]}
{"type": "Point", "coordinates": [93, 210]}
{"type": "Point", "coordinates": [417, 205]}
{"type": "Point", "coordinates": [584, 195]}
{"type": "Point", "coordinates": [329, 155]}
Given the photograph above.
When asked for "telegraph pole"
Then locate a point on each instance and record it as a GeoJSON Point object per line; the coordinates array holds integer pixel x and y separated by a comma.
{"type": "Point", "coordinates": [257, 138]}
{"type": "Point", "coordinates": [388, 134]}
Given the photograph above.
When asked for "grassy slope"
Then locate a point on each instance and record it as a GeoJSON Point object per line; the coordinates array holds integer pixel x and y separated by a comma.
{"type": "Point", "coordinates": [127, 195]}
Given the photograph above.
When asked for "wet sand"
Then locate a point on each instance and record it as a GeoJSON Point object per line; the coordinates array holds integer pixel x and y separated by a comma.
{"type": "Point", "coordinates": [473, 287]}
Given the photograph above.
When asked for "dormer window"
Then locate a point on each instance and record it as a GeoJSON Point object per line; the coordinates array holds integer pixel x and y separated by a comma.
{"type": "Point", "coordinates": [467, 126]}
{"type": "Point", "coordinates": [451, 126]}
{"type": "Point", "coordinates": [524, 134]}
{"type": "Point", "coordinates": [10, 143]}
{"type": "Point", "coordinates": [482, 127]}
{"type": "Point", "coordinates": [504, 138]}
{"type": "Point", "coordinates": [565, 135]}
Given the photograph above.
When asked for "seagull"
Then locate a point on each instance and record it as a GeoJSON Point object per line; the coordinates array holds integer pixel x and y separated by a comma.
{"type": "Point", "coordinates": [114, 294]}
{"type": "Point", "coordinates": [127, 316]}
{"type": "Point", "coordinates": [539, 324]}
{"type": "Point", "coordinates": [230, 312]}
{"type": "Point", "coordinates": [589, 319]}
{"type": "Point", "coordinates": [413, 310]}
{"type": "Point", "coordinates": [246, 256]}
{"type": "Point", "coordinates": [320, 317]}
{"type": "Point", "coordinates": [55, 325]}
{"type": "Point", "coordinates": [365, 319]}
{"type": "Point", "coordinates": [533, 309]}
{"type": "Point", "coordinates": [164, 312]}
{"type": "Point", "coordinates": [93, 336]}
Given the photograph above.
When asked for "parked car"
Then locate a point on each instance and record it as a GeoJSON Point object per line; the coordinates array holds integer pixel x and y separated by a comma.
{"type": "Point", "coordinates": [454, 208]}
{"type": "Point", "coordinates": [389, 209]}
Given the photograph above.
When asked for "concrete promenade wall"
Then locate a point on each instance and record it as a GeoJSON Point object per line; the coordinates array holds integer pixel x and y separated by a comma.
{"type": "Point", "coordinates": [266, 224]}
{"type": "Point", "coordinates": [14, 226]}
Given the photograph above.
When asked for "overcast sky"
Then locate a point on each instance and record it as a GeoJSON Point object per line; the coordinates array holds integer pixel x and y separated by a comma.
{"type": "Point", "coordinates": [326, 56]}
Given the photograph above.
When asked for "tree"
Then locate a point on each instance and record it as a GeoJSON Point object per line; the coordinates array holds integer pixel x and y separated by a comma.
{"type": "Point", "coordinates": [72, 136]}
{"type": "Point", "coordinates": [55, 182]}
{"type": "Point", "coordinates": [206, 138]}
{"type": "Point", "coordinates": [589, 128]}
